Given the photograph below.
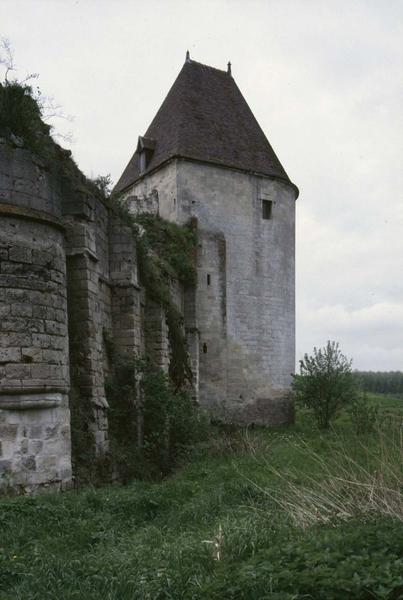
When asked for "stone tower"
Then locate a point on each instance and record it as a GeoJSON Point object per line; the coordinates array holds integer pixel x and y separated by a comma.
{"type": "Point", "coordinates": [34, 366]}
{"type": "Point", "coordinates": [205, 157]}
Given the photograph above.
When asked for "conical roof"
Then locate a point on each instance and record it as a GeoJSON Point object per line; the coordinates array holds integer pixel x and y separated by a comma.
{"type": "Point", "coordinates": [205, 117]}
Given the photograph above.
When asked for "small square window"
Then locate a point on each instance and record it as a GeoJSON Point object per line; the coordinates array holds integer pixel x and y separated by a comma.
{"type": "Point", "coordinates": [267, 208]}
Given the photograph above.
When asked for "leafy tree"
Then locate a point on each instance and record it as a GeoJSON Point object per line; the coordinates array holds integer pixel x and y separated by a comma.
{"type": "Point", "coordinates": [104, 184]}
{"type": "Point", "coordinates": [381, 382]}
{"type": "Point", "coordinates": [326, 382]}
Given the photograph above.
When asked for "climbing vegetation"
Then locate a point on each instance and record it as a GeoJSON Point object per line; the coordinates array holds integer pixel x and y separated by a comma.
{"type": "Point", "coordinates": [151, 425]}
{"type": "Point", "coordinates": [22, 124]}
{"type": "Point", "coordinates": [165, 252]}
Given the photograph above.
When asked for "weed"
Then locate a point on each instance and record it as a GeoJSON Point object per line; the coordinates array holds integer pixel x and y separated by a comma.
{"type": "Point", "coordinates": [161, 540]}
{"type": "Point", "coordinates": [364, 415]}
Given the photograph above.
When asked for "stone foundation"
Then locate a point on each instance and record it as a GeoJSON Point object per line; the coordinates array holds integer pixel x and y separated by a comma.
{"type": "Point", "coordinates": [35, 442]}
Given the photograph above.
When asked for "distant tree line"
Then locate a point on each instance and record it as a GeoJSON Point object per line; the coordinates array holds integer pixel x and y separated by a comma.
{"type": "Point", "coordinates": [382, 382]}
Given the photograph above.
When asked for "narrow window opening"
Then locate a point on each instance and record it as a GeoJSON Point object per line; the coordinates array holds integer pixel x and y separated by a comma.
{"type": "Point", "coordinates": [204, 348]}
{"type": "Point", "coordinates": [267, 209]}
{"type": "Point", "coordinates": [208, 279]}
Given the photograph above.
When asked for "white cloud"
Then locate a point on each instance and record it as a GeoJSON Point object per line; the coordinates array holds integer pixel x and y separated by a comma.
{"type": "Point", "coordinates": [369, 334]}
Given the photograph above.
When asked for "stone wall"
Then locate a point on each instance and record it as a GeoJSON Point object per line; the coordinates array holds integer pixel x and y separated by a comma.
{"type": "Point", "coordinates": [89, 302]}
{"type": "Point", "coordinates": [34, 376]}
{"type": "Point", "coordinates": [244, 306]}
{"type": "Point", "coordinates": [70, 297]}
{"type": "Point", "coordinates": [69, 288]}
{"type": "Point", "coordinates": [246, 311]}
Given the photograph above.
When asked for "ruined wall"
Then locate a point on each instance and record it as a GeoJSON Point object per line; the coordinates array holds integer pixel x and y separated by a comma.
{"type": "Point", "coordinates": [34, 379]}
{"type": "Point", "coordinates": [89, 302]}
{"type": "Point", "coordinates": [69, 293]}
{"type": "Point", "coordinates": [157, 194]}
{"type": "Point", "coordinates": [127, 297]}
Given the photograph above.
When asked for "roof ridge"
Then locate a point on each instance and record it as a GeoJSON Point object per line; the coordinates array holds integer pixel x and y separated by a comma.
{"type": "Point", "coordinates": [196, 62]}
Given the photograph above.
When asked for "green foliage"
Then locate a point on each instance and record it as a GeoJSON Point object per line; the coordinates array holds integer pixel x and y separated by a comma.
{"type": "Point", "coordinates": [325, 383]}
{"type": "Point", "coordinates": [363, 414]}
{"type": "Point", "coordinates": [172, 421]}
{"type": "Point", "coordinates": [165, 252]}
{"type": "Point", "coordinates": [357, 561]}
{"type": "Point", "coordinates": [382, 382]}
{"type": "Point", "coordinates": [209, 532]}
{"type": "Point", "coordinates": [173, 244]}
{"type": "Point", "coordinates": [88, 466]}
{"type": "Point", "coordinates": [151, 425]}
{"type": "Point", "coordinates": [20, 115]}
{"type": "Point", "coordinates": [104, 184]}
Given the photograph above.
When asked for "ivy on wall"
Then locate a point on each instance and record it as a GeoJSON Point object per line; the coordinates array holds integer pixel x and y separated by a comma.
{"type": "Point", "coordinates": [151, 425]}
{"type": "Point", "coordinates": [165, 252]}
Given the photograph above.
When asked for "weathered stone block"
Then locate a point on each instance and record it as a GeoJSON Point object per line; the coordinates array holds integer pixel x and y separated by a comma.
{"type": "Point", "coordinates": [21, 310]}
{"type": "Point", "coordinates": [9, 355]}
{"type": "Point", "coordinates": [24, 445]}
{"type": "Point", "coordinates": [15, 339]}
{"type": "Point", "coordinates": [36, 431]}
{"type": "Point", "coordinates": [8, 432]}
{"type": "Point", "coordinates": [17, 371]}
{"type": "Point", "coordinates": [35, 446]}
{"type": "Point", "coordinates": [31, 354]}
{"type": "Point", "coordinates": [29, 463]}
{"type": "Point", "coordinates": [47, 462]}
{"type": "Point", "coordinates": [20, 254]}
{"type": "Point", "coordinates": [5, 466]}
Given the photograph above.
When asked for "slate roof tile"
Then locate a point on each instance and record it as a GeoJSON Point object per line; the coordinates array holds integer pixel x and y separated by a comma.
{"type": "Point", "coordinates": [205, 117]}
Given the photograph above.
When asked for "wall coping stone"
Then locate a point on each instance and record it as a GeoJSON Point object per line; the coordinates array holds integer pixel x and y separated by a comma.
{"type": "Point", "coordinates": [30, 401]}
{"type": "Point", "coordinates": [82, 252]}
{"type": "Point", "coordinates": [31, 214]}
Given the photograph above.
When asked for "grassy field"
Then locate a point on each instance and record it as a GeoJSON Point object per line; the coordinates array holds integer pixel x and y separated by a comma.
{"type": "Point", "coordinates": [280, 515]}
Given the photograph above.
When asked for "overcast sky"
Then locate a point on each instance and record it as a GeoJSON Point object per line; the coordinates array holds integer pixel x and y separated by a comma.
{"type": "Point", "coordinates": [324, 79]}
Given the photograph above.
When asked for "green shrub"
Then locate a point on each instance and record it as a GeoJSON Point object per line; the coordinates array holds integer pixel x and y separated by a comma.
{"type": "Point", "coordinates": [151, 424]}
{"type": "Point", "coordinates": [325, 383]}
{"type": "Point", "coordinates": [363, 415]}
{"type": "Point", "coordinates": [20, 115]}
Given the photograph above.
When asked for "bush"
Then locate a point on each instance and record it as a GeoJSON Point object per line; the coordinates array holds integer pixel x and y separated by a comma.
{"type": "Point", "coordinates": [151, 424]}
{"type": "Point", "coordinates": [363, 415]}
{"type": "Point", "coordinates": [20, 114]}
{"type": "Point", "coordinates": [325, 383]}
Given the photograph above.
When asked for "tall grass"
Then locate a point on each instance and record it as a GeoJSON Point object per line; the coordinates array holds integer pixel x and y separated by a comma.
{"type": "Point", "coordinates": [223, 527]}
{"type": "Point", "coordinates": [353, 480]}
